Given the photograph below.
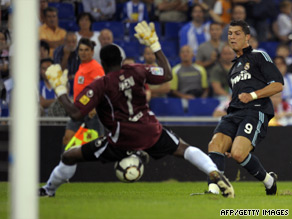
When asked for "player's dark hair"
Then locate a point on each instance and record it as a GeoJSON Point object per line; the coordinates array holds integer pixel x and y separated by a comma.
{"type": "Point", "coordinates": [110, 55]}
{"type": "Point", "coordinates": [50, 9]}
{"type": "Point", "coordinates": [47, 60]}
{"type": "Point", "coordinates": [45, 45]}
{"type": "Point", "coordinates": [87, 42]}
{"type": "Point", "coordinates": [85, 14]}
{"type": "Point", "coordinates": [242, 24]}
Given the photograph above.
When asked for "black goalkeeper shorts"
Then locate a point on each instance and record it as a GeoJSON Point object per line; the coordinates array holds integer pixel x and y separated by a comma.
{"type": "Point", "coordinates": [101, 150]}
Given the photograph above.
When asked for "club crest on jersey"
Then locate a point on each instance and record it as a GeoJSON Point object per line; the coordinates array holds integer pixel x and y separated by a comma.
{"type": "Point", "coordinates": [156, 71]}
{"type": "Point", "coordinates": [247, 66]}
{"type": "Point", "coordinates": [84, 99]}
{"type": "Point", "coordinates": [89, 93]}
{"type": "Point", "coordinates": [80, 80]}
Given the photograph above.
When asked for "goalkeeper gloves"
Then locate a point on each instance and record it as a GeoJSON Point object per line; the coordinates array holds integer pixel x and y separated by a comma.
{"type": "Point", "coordinates": [58, 79]}
{"type": "Point", "coordinates": [146, 35]}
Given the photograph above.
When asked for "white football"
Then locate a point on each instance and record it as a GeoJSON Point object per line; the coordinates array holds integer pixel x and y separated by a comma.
{"type": "Point", "coordinates": [129, 169]}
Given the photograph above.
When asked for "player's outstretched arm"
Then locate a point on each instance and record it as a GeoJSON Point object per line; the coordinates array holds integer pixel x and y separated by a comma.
{"type": "Point", "coordinates": [162, 62]}
{"type": "Point", "coordinates": [70, 108]}
{"type": "Point", "coordinates": [146, 35]}
{"type": "Point", "coordinates": [58, 79]}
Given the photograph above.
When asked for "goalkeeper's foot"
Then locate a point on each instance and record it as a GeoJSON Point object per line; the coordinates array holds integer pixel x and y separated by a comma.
{"type": "Point", "coordinates": [223, 184]}
{"type": "Point", "coordinates": [273, 189]}
{"type": "Point", "coordinates": [43, 193]}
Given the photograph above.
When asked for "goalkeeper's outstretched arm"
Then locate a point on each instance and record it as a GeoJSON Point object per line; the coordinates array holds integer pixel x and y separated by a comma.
{"type": "Point", "coordinates": [70, 108]}
{"type": "Point", "coordinates": [58, 80]}
{"type": "Point", "coordinates": [146, 35]}
{"type": "Point", "coordinates": [162, 62]}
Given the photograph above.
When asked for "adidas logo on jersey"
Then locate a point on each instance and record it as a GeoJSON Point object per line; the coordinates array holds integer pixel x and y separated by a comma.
{"type": "Point", "coordinates": [244, 75]}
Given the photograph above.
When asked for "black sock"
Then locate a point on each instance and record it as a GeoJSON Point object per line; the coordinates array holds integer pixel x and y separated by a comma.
{"type": "Point", "coordinates": [254, 167]}
{"type": "Point", "coordinates": [219, 159]}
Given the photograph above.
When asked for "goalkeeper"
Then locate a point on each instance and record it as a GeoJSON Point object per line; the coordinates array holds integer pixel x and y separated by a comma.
{"type": "Point", "coordinates": [120, 101]}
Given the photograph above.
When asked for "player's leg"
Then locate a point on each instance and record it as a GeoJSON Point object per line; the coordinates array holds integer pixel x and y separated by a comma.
{"type": "Point", "coordinates": [68, 135]}
{"type": "Point", "coordinates": [67, 166]}
{"type": "Point", "coordinates": [71, 129]}
{"type": "Point", "coordinates": [250, 133]}
{"type": "Point", "coordinates": [241, 153]}
{"type": "Point", "coordinates": [204, 163]}
{"type": "Point", "coordinates": [219, 144]}
{"type": "Point", "coordinates": [169, 143]}
{"type": "Point", "coordinates": [63, 172]}
{"type": "Point", "coordinates": [196, 157]}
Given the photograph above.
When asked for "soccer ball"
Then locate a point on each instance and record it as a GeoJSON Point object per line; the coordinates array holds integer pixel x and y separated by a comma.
{"type": "Point", "coordinates": [129, 169]}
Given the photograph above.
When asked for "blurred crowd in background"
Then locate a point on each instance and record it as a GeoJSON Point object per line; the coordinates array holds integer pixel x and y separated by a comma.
{"type": "Point", "coordinates": [193, 35]}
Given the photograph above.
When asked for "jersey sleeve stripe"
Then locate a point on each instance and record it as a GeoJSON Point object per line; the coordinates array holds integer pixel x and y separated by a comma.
{"type": "Point", "coordinates": [266, 56]}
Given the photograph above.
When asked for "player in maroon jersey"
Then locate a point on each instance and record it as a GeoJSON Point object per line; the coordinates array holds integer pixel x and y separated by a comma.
{"type": "Point", "coordinates": [120, 101]}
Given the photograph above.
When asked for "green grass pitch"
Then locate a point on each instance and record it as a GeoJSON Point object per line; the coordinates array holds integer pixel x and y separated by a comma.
{"type": "Point", "coordinates": [151, 200]}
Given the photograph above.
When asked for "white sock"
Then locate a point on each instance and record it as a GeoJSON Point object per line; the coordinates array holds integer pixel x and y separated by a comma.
{"type": "Point", "coordinates": [268, 181]}
{"type": "Point", "coordinates": [201, 160]}
{"type": "Point", "coordinates": [61, 174]}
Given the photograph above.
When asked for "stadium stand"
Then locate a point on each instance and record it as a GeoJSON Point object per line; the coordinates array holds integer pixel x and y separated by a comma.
{"type": "Point", "coordinates": [174, 106]}
{"type": "Point", "coordinates": [68, 25]}
{"type": "Point", "coordinates": [171, 30]}
{"type": "Point", "coordinates": [66, 11]}
{"type": "Point", "coordinates": [79, 7]}
{"type": "Point", "coordinates": [115, 26]}
{"type": "Point", "coordinates": [119, 11]}
{"type": "Point", "coordinates": [170, 48]}
{"type": "Point", "coordinates": [132, 48]}
{"type": "Point", "coordinates": [4, 109]}
{"type": "Point", "coordinates": [270, 47]}
{"type": "Point", "coordinates": [168, 35]}
{"type": "Point", "coordinates": [167, 106]}
{"type": "Point", "coordinates": [202, 106]}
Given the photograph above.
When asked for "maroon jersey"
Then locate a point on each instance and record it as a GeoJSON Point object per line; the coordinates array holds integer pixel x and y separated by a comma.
{"type": "Point", "coordinates": [120, 100]}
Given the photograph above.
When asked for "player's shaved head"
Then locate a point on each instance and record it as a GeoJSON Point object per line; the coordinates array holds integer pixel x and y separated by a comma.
{"type": "Point", "coordinates": [110, 56]}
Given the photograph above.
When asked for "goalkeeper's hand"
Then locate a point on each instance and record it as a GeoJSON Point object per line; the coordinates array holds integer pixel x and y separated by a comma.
{"type": "Point", "coordinates": [58, 79]}
{"type": "Point", "coordinates": [146, 35]}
